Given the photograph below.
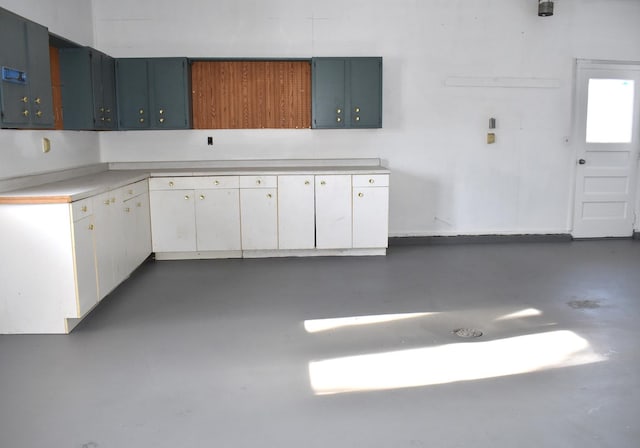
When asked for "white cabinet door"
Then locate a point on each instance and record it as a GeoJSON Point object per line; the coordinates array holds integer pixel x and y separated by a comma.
{"type": "Point", "coordinates": [85, 265]}
{"type": "Point", "coordinates": [259, 218]}
{"type": "Point", "coordinates": [333, 212]}
{"type": "Point", "coordinates": [218, 219]}
{"type": "Point", "coordinates": [136, 231]}
{"type": "Point", "coordinates": [296, 212]}
{"type": "Point", "coordinates": [105, 209]}
{"type": "Point", "coordinates": [173, 223]}
{"type": "Point", "coordinates": [370, 217]}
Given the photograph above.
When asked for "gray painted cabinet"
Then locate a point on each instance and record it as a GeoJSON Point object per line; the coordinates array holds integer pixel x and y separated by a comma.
{"type": "Point", "coordinates": [25, 76]}
{"type": "Point", "coordinates": [88, 89]}
{"type": "Point", "coordinates": [347, 92]}
{"type": "Point", "coordinates": [153, 93]}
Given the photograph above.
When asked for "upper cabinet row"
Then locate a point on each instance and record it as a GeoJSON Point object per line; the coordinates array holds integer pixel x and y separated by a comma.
{"type": "Point", "coordinates": [99, 92]}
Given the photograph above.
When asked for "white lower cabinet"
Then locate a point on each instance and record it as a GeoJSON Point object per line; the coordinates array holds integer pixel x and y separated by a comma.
{"type": "Point", "coordinates": [333, 212]}
{"type": "Point", "coordinates": [259, 212]}
{"type": "Point", "coordinates": [370, 211]}
{"type": "Point", "coordinates": [84, 259]}
{"type": "Point", "coordinates": [173, 223]}
{"type": "Point", "coordinates": [71, 256]}
{"type": "Point", "coordinates": [217, 215]}
{"type": "Point", "coordinates": [296, 212]}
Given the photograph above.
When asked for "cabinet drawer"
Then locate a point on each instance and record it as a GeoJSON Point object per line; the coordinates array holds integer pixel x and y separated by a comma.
{"type": "Point", "coordinates": [81, 209]}
{"type": "Point", "coordinates": [133, 190]}
{"type": "Point", "coordinates": [371, 180]}
{"type": "Point", "coordinates": [171, 183]}
{"type": "Point", "coordinates": [213, 182]}
{"type": "Point", "coordinates": [258, 181]}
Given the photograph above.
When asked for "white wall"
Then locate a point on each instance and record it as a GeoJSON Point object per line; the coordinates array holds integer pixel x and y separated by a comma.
{"type": "Point", "coordinates": [21, 151]}
{"type": "Point", "coordinates": [446, 179]}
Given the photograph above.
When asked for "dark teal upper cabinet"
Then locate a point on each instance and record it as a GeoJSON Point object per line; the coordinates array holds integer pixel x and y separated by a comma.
{"type": "Point", "coordinates": [347, 93]}
{"type": "Point", "coordinates": [25, 77]}
{"type": "Point", "coordinates": [153, 93]}
{"type": "Point", "coordinates": [88, 89]}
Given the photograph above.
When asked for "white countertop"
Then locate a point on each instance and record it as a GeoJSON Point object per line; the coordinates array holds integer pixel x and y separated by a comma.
{"type": "Point", "coordinates": [80, 187]}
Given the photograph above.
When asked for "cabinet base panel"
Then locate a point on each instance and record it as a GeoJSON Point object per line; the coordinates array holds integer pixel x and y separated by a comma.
{"type": "Point", "coordinates": [201, 255]}
{"type": "Point", "coordinates": [270, 253]}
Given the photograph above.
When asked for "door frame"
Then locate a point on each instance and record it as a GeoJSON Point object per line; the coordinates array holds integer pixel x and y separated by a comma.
{"type": "Point", "coordinates": [597, 64]}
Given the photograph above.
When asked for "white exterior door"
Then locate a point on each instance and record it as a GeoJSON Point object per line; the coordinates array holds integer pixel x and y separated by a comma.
{"type": "Point", "coordinates": [296, 212]}
{"type": "Point", "coordinates": [608, 140]}
{"type": "Point", "coordinates": [333, 212]}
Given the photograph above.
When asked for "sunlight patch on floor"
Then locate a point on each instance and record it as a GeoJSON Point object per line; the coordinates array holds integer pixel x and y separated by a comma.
{"type": "Point", "coordinates": [451, 363]}
{"type": "Point", "coordinates": [529, 312]}
{"type": "Point", "coordinates": [318, 325]}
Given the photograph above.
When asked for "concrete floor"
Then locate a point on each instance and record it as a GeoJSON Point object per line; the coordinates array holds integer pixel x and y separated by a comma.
{"type": "Point", "coordinates": [216, 354]}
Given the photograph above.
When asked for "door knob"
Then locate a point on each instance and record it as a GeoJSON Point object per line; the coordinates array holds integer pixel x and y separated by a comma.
{"type": "Point", "coordinates": [582, 161]}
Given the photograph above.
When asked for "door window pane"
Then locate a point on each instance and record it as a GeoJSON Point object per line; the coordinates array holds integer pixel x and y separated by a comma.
{"type": "Point", "coordinates": [610, 111]}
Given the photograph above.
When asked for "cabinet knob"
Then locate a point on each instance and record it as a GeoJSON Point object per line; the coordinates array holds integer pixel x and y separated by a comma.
{"type": "Point", "coordinates": [372, 181]}
{"type": "Point", "coordinates": [84, 209]}
{"type": "Point", "coordinates": [141, 111]}
{"type": "Point", "coordinates": [108, 111]}
{"type": "Point", "coordinates": [25, 113]}
{"type": "Point", "coordinates": [339, 120]}
{"type": "Point", "coordinates": [360, 195]}
{"type": "Point", "coordinates": [306, 182]}
{"type": "Point", "coordinates": [269, 195]}
{"type": "Point", "coordinates": [357, 109]}
{"type": "Point", "coordinates": [113, 200]}
{"type": "Point", "coordinates": [37, 101]}
{"type": "Point", "coordinates": [216, 182]}
{"type": "Point", "coordinates": [39, 114]}
{"type": "Point", "coordinates": [161, 120]}
{"type": "Point", "coordinates": [107, 202]}
{"type": "Point", "coordinates": [186, 197]}
{"type": "Point", "coordinates": [258, 182]}
{"type": "Point", "coordinates": [24, 99]}
{"type": "Point", "coordinates": [161, 111]}
{"type": "Point", "coordinates": [127, 210]}
{"type": "Point", "coordinates": [171, 183]}
{"type": "Point", "coordinates": [108, 120]}
{"type": "Point", "coordinates": [101, 109]}
{"type": "Point", "coordinates": [141, 120]}
{"type": "Point", "coordinates": [130, 191]}
{"type": "Point", "coordinates": [91, 227]}
{"type": "Point", "coordinates": [322, 182]}
{"type": "Point", "coordinates": [357, 118]}
{"type": "Point", "coordinates": [139, 204]}
{"type": "Point", "coordinates": [202, 197]}
{"type": "Point", "coordinates": [338, 111]}
{"type": "Point", "coordinates": [102, 119]}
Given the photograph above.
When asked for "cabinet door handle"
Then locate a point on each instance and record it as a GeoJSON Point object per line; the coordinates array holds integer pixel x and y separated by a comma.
{"type": "Point", "coordinates": [25, 113]}
{"type": "Point", "coordinates": [91, 227]}
{"type": "Point", "coordinates": [37, 101]}
{"type": "Point", "coordinates": [24, 99]}
{"type": "Point", "coordinates": [306, 182]}
{"type": "Point", "coordinates": [372, 181]}
{"type": "Point", "coordinates": [217, 182]}
{"type": "Point", "coordinates": [161, 120]}
{"type": "Point", "coordinates": [323, 182]}
{"type": "Point", "coordinates": [171, 183]}
{"type": "Point", "coordinates": [258, 182]}
{"type": "Point", "coordinates": [141, 120]}
{"type": "Point", "coordinates": [338, 111]}
{"type": "Point", "coordinates": [202, 197]}
{"type": "Point", "coordinates": [39, 114]}
{"type": "Point", "coordinates": [269, 195]}
{"type": "Point", "coordinates": [84, 208]}
{"type": "Point", "coordinates": [360, 195]}
{"type": "Point", "coordinates": [339, 119]}
{"type": "Point", "coordinates": [186, 197]}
